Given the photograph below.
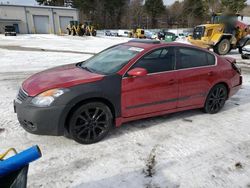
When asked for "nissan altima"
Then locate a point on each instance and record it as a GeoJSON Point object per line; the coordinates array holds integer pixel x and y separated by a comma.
{"type": "Point", "coordinates": [126, 82]}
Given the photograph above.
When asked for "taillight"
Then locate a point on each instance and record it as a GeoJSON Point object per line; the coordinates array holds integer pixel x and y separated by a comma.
{"type": "Point", "coordinates": [234, 64]}
{"type": "Point", "coordinates": [236, 67]}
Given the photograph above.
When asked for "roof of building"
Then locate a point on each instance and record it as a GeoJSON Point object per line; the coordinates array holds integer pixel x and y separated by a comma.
{"type": "Point", "coordinates": [9, 20]}
{"type": "Point", "coordinates": [38, 6]}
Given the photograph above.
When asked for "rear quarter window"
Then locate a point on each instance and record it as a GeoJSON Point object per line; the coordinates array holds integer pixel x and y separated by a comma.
{"type": "Point", "coordinates": [189, 58]}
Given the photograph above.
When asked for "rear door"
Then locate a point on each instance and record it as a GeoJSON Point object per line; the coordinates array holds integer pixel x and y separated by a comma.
{"type": "Point", "coordinates": [157, 91]}
{"type": "Point", "coordinates": [196, 72]}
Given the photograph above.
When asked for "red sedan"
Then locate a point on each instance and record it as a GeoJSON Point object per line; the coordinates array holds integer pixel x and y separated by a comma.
{"type": "Point", "coordinates": [126, 82]}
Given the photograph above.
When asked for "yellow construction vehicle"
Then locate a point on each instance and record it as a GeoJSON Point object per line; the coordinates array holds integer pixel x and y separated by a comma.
{"type": "Point", "coordinates": [225, 32]}
{"type": "Point", "coordinates": [137, 33]}
{"type": "Point", "coordinates": [89, 29]}
{"type": "Point", "coordinates": [76, 28]}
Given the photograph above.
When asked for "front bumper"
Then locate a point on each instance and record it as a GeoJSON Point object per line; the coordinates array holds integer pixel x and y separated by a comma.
{"type": "Point", "coordinates": [10, 33]}
{"type": "Point", "coordinates": [39, 120]}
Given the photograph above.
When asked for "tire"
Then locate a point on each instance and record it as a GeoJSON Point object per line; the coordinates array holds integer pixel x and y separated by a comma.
{"type": "Point", "coordinates": [73, 32]}
{"type": "Point", "coordinates": [243, 56]}
{"type": "Point", "coordinates": [90, 123]}
{"type": "Point", "coordinates": [216, 99]}
{"type": "Point", "coordinates": [223, 47]}
{"type": "Point", "coordinates": [69, 32]}
{"type": "Point", "coordinates": [80, 33]}
{"type": "Point", "coordinates": [94, 33]}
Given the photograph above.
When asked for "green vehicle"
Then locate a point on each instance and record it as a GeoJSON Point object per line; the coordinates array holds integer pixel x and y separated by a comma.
{"type": "Point", "coordinates": [170, 37]}
{"type": "Point", "coordinates": [166, 36]}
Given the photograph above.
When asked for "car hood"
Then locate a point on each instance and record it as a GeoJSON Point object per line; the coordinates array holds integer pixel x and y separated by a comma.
{"type": "Point", "coordinates": [58, 77]}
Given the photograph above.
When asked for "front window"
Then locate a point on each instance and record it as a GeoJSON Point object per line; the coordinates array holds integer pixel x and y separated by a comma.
{"type": "Point", "coordinates": [111, 60]}
{"type": "Point", "coordinates": [160, 60]}
{"type": "Point", "coordinates": [198, 32]}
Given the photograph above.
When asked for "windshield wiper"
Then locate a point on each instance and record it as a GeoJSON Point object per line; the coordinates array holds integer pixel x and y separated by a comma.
{"type": "Point", "coordinates": [89, 69]}
{"type": "Point", "coordinates": [86, 68]}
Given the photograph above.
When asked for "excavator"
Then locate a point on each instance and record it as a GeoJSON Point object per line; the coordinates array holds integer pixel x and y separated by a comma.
{"type": "Point", "coordinates": [76, 28]}
{"type": "Point", "coordinates": [224, 33]}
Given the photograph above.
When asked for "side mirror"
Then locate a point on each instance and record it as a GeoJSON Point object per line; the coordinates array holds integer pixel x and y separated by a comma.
{"type": "Point", "coordinates": [137, 72]}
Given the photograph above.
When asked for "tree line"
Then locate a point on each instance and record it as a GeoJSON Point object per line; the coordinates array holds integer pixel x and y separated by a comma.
{"type": "Point", "coordinates": [116, 14]}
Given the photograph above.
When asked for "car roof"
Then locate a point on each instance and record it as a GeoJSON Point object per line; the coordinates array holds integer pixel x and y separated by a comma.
{"type": "Point", "coordinates": [147, 45]}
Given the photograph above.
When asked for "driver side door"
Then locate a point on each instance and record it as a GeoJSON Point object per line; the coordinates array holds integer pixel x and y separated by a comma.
{"type": "Point", "coordinates": [157, 91]}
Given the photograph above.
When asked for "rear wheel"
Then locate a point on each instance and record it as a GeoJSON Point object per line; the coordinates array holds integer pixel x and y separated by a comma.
{"type": "Point", "coordinates": [223, 47]}
{"type": "Point", "coordinates": [216, 99]}
{"type": "Point", "coordinates": [94, 33]}
{"type": "Point", "coordinates": [90, 123]}
{"type": "Point", "coordinates": [73, 32]}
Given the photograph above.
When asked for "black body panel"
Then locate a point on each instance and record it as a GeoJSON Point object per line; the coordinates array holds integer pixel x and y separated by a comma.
{"type": "Point", "coordinates": [51, 120]}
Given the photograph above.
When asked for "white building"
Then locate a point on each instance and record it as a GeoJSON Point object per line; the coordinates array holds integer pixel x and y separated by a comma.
{"type": "Point", "coordinates": [37, 19]}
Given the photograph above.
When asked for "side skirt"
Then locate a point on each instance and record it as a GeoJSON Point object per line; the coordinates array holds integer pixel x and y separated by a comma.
{"type": "Point", "coordinates": [120, 120]}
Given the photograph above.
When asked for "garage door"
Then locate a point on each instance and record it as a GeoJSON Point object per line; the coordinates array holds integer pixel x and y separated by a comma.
{"type": "Point", "coordinates": [64, 22]}
{"type": "Point", "coordinates": [41, 24]}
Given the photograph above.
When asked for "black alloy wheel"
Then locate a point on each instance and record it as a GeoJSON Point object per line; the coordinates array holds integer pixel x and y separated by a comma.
{"type": "Point", "coordinates": [216, 99]}
{"type": "Point", "coordinates": [90, 123]}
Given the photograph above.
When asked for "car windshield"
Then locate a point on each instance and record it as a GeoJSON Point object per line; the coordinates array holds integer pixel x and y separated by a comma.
{"type": "Point", "coordinates": [111, 60]}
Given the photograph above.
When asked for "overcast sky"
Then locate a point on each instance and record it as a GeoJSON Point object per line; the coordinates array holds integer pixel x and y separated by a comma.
{"type": "Point", "coordinates": [33, 2]}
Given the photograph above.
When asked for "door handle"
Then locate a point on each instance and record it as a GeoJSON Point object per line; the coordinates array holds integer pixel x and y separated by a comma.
{"type": "Point", "coordinates": [211, 73]}
{"type": "Point", "coordinates": [171, 82]}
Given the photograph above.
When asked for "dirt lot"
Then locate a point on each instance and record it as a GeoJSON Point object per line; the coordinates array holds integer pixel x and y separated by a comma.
{"type": "Point", "coordinates": [187, 149]}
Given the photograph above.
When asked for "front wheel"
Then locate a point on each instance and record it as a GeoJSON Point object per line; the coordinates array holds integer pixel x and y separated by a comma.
{"type": "Point", "coordinates": [216, 99]}
{"type": "Point", "coordinates": [90, 123]}
{"type": "Point", "coordinates": [68, 31]}
{"type": "Point", "coordinates": [223, 47]}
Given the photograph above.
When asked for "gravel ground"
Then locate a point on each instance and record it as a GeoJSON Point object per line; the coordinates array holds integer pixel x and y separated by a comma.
{"type": "Point", "coordinates": [186, 149]}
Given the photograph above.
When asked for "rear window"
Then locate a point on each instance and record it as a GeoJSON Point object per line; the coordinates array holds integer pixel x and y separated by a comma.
{"type": "Point", "coordinates": [189, 58]}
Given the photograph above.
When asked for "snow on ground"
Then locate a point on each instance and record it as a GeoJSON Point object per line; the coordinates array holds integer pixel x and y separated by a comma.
{"type": "Point", "coordinates": [191, 149]}
{"type": "Point", "coordinates": [70, 43]}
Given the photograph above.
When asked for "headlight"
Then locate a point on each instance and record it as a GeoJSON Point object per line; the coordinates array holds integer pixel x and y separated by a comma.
{"type": "Point", "coordinates": [46, 98]}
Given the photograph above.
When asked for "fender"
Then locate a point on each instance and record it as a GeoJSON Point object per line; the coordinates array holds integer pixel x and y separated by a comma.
{"type": "Point", "coordinates": [108, 89]}
{"type": "Point", "coordinates": [219, 36]}
{"type": "Point", "coordinates": [242, 42]}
